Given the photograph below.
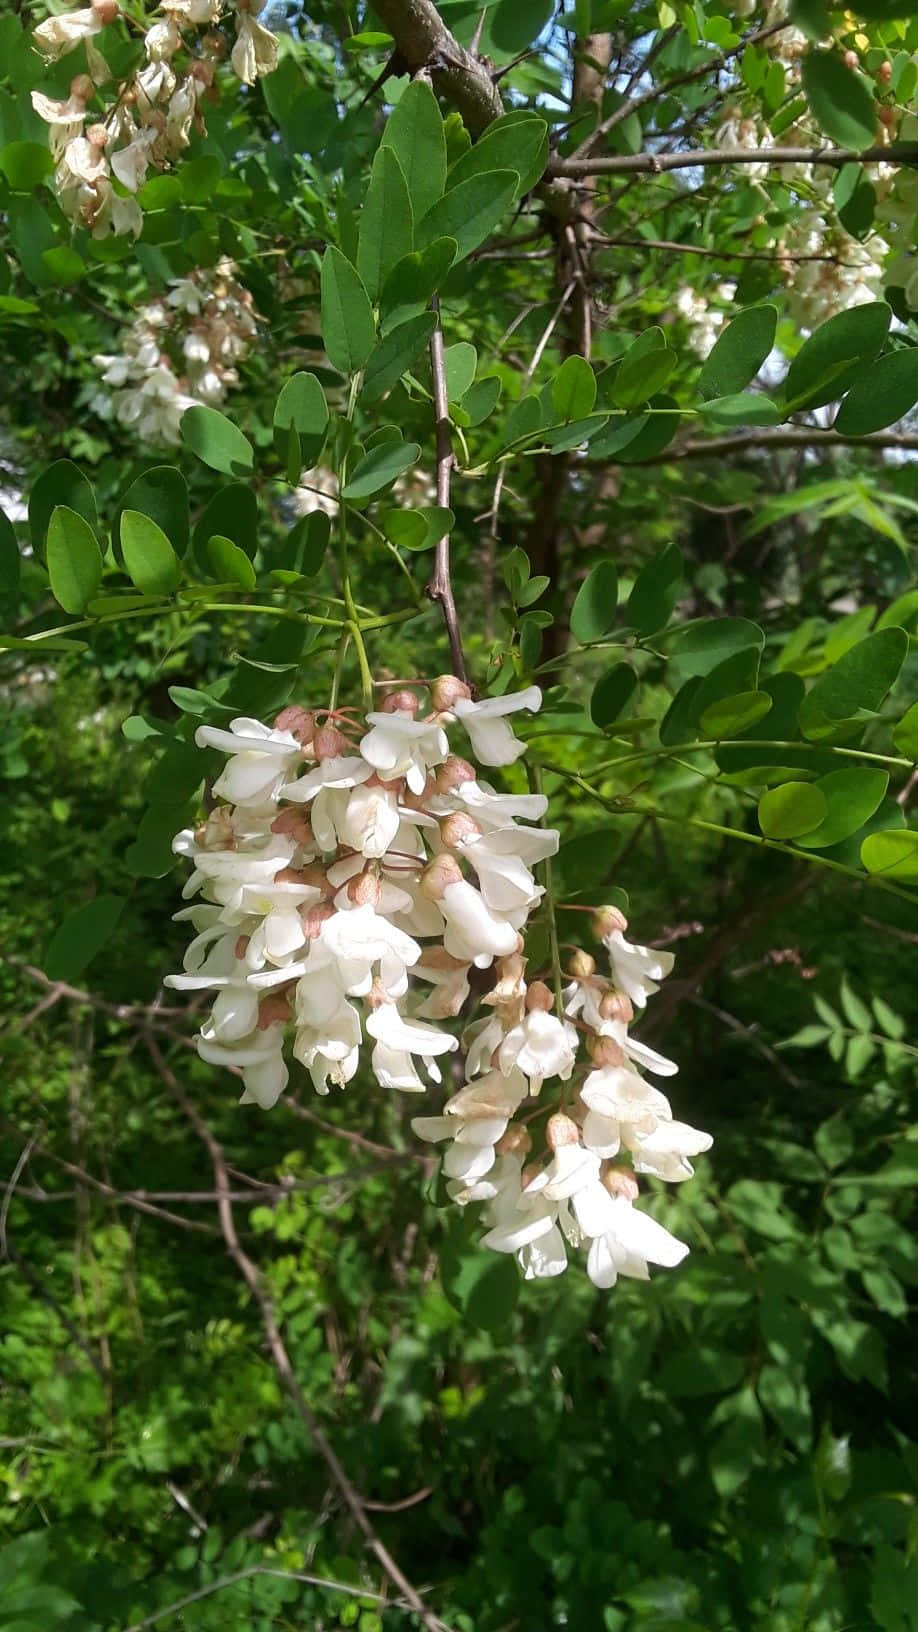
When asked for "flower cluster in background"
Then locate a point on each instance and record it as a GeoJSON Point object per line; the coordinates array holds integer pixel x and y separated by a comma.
{"type": "Point", "coordinates": [179, 351]}
{"type": "Point", "coordinates": [362, 888]}
{"type": "Point", "coordinates": [106, 135]}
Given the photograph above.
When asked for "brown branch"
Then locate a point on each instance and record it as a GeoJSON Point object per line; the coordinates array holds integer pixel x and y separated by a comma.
{"type": "Point", "coordinates": [279, 1355]}
{"type": "Point", "coordinates": [440, 586]}
{"type": "Point", "coordinates": [618, 164]}
{"type": "Point", "coordinates": [794, 436]}
{"type": "Point", "coordinates": [425, 42]}
{"type": "Point", "coordinates": [247, 1574]}
{"type": "Point", "coordinates": [724, 254]}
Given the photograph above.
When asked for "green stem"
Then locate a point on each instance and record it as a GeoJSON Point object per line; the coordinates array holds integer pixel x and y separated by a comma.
{"type": "Point", "coordinates": [353, 616]}
{"type": "Point", "coordinates": [340, 660]}
{"type": "Point", "coordinates": [724, 742]}
{"type": "Point", "coordinates": [534, 773]}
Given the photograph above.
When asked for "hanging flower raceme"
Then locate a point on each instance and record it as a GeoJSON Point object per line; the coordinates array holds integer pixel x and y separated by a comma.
{"type": "Point", "coordinates": [145, 121]}
{"type": "Point", "coordinates": [356, 884]}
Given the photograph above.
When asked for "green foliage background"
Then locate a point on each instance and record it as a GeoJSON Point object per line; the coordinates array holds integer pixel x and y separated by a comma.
{"type": "Point", "coordinates": [725, 1448]}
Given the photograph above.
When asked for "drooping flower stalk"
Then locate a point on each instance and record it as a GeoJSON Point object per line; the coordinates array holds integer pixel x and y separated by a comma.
{"type": "Point", "coordinates": [354, 881]}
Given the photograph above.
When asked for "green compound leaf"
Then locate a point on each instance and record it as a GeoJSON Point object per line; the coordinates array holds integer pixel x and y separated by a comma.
{"type": "Point", "coordinates": [348, 329]}
{"type": "Point", "coordinates": [594, 611]}
{"type": "Point", "coordinates": [74, 559]}
{"type": "Point", "coordinates": [217, 441]}
{"type": "Point", "coordinates": [149, 558]}
{"type": "Point", "coordinates": [380, 468]}
{"type": "Point", "coordinates": [81, 936]}
{"type": "Point", "coordinates": [738, 353]}
{"type": "Point", "coordinates": [885, 393]}
{"type": "Point", "coordinates": [792, 809]}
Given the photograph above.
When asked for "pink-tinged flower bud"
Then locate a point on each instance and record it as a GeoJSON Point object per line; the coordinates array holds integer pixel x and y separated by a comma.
{"type": "Point", "coordinates": [620, 1181]}
{"type": "Point", "coordinates": [364, 890]}
{"type": "Point", "coordinates": [606, 1051]}
{"type": "Point", "coordinates": [438, 875]}
{"type": "Point", "coordinates": [581, 966]}
{"type": "Point", "coordinates": [300, 722]}
{"type": "Point", "coordinates": [314, 917]}
{"type": "Point", "coordinates": [453, 772]}
{"type": "Point", "coordinates": [273, 1010]}
{"type": "Point", "coordinates": [97, 136]}
{"type": "Point", "coordinates": [606, 920]}
{"type": "Point", "coordinates": [242, 946]}
{"type": "Point", "coordinates": [539, 996]}
{"type": "Point", "coordinates": [328, 743]}
{"type": "Point", "coordinates": [289, 875]}
{"type": "Point", "coordinates": [457, 829]}
{"type": "Point", "coordinates": [530, 1172]}
{"type": "Point", "coordinates": [106, 11]}
{"type": "Point", "coordinates": [561, 1130]}
{"type": "Point", "coordinates": [446, 690]}
{"type": "Point", "coordinates": [82, 87]}
{"type": "Point", "coordinates": [851, 59]}
{"type": "Point", "coordinates": [400, 702]}
{"type": "Point", "coordinates": [295, 823]}
{"type": "Point", "coordinates": [616, 1006]}
{"type": "Point", "coordinates": [884, 73]}
{"type": "Point", "coordinates": [515, 1142]}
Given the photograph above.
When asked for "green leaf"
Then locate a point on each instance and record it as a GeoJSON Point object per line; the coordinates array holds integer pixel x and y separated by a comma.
{"type": "Point", "coordinates": [10, 560]}
{"type": "Point", "coordinates": [348, 329]}
{"type": "Point", "coordinates": [514, 24]}
{"type": "Point", "coordinates": [25, 164]}
{"type": "Point", "coordinates": [905, 735]}
{"type": "Point", "coordinates": [655, 592]}
{"type": "Point", "coordinates": [661, 425]}
{"type": "Point", "coordinates": [855, 1011]}
{"type": "Point", "coordinates": [892, 855]}
{"type": "Point", "coordinates": [595, 607]}
{"type": "Point", "coordinates": [885, 393]}
{"type": "Point", "coordinates": [852, 796]}
{"type": "Point", "coordinates": [461, 362]}
{"type": "Point", "coordinates": [575, 435]}
{"type": "Point", "coordinates": [74, 559]}
{"type": "Point", "coordinates": [217, 441]}
{"type": "Point", "coordinates": [738, 353]}
{"type": "Point", "coordinates": [728, 716]}
{"type": "Point", "coordinates": [386, 222]}
{"type": "Point", "coordinates": [395, 354]}
{"type": "Point", "coordinates": [417, 529]}
{"type": "Point", "coordinates": [301, 408]}
{"type": "Point", "coordinates": [469, 212]}
{"type": "Point", "coordinates": [63, 265]}
{"type": "Point", "coordinates": [835, 355]}
{"type": "Point", "coordinates": [81, 936]}
{"type": "Point", "coordinates": [380, 468]}
{"type": "Point", "coordinates": [611, 693]}
{"type": "Point", "coordinates": [642, 371]}
{"type": "Point", "coordinates": [162, 494]}
{"type": "Point", "coordinates": [303, 550]}
{"type": "Point", "coordinates": [63, 483]}
{"type": "Point", "coordinates": [232, 512]}
{"type": "Point", "coordinates": [699, 647]}
{"type": "Point", "coordinates": [480, 400]}
{"type": "Point", "coordinates": [791, 809]}
{"type": "Point", "coordinates": [518, 141]}
{"type": "Point", "coordinates": [151, 562]}
{"type": "Point", "coordinates": [573, 389]}
{"type": "Point", "coordinates": [747, 408]}
{"type": "Point", "coordinates": [839, 99]}
{"type": "Point", "coordinates": [414, 132]}
{"type": "Point", "coordinates": [859, 680]}
{"type": "Point", "coordinates": [833, 1140]}
{"type": "Point", "coordinates": [411, 283]}
{"type": "Point", "coordinates": [230, 564]}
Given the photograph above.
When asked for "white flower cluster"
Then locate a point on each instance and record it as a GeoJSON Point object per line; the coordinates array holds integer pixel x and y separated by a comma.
{"type": "Point", "coordinates": [355, 883]}
{"type": "Point", "coordinates": [179, 351]}
{"type": "Point", "coordinates": [817, 289]}
{"type": "Point", "coordinates": [898, 213]}
{"type": "Point", "coordinates": [103, 158]}
{"type": "Point", "coordinates": [704, 320]}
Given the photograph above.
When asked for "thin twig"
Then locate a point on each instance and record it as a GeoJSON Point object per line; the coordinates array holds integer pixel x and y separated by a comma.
{"type": "Point", "coordinates": [618, 164]}
{"type": "Point", "coordinates": [792, 436]}
{"type": "Point", "coordinates": [725, 254]}
{"type": "Point", "coordinates": [279, 1355]}
{"type": "Point", "coordinates": [247, 1574]}
{"type": "Point", "coordinates": [440, 587]}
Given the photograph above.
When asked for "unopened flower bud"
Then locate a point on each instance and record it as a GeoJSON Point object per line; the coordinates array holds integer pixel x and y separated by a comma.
{"type": "Point", "coordinates": [515, 1142]}
{"type": "Point", "coordinates": [328, 742]}
{"type": "Point", "coordinates": [313, 918]}
{"type": "Point", "coordinates": [82, 87]}
{"type": "Point", "coordinates": [581, 966]}
{"type": "Point", "coordinates": [242, 946]}
{"type": "Point", "coordinates": [296, 824]}
{"type": "Point", "coordinates": [97, 136]}
{"type": "Point", "coordinates": [106, 11]}
{"type": "Point", "coordinates": [539, 996]}
{"type": "Point", "coordinates": [851, 59]}
{"type": "Point", "coordinates": [606, 1051]}
{"type": "Point", "coordinates": [620, 1181]}
{"type": "Point", "coordinates": [273, 1010]}
{"type": "Point", "coordinates": [457, 829]}
{"type": "Point", "coordinates": [608, 919]}
{"type": "Point", "coordinates": [300, 722]}
{"type": "Point", "coordinates": [400, 702]}
{"type": "Point", "coordinates": [884, 73]}
{"type": "Point", "coordinates": [446, 690]}
{"type": "Point", "coordinates": [616, 1006]}
{"type": "Point", "coordinates": [561, 1130]}
{"type": "Point", "coordinates": [364, 890]}
{"type": "Point", "coordinates": [453, 772]}
{"type": "Point", "coordinates": [439, 875]}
